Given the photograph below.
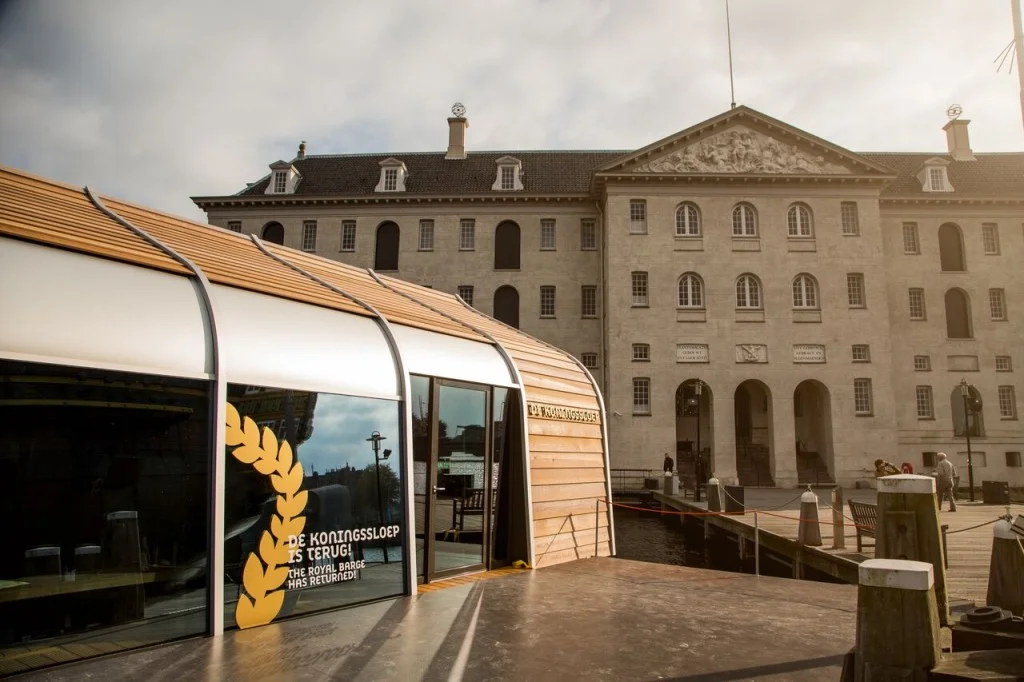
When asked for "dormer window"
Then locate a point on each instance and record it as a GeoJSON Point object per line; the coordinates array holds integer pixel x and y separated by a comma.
{"type": "Point", "coordinates": [933, 176]}
{"type": "Point", "coordinates": [392, 176]}
{"type": "Point", "coordinates": [284, 178]}
{"type": "Point", "coordinates": [510, 175]}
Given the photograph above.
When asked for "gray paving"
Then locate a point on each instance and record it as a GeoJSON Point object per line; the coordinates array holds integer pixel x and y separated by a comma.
{"type": "Point", "coordinates": [603, 619]}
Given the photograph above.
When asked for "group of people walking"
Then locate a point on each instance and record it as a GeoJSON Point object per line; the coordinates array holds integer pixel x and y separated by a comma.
{"type": "Point", "coordinates": [945, 477]}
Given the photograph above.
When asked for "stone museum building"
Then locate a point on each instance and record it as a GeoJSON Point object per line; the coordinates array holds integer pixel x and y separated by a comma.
{"type": "Point", "coordinates": [755, 300]}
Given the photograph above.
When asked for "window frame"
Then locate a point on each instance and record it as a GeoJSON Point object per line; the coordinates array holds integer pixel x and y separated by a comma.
{"type": "Point", "coordinates": [507, 177]}
{"type": "Point", "coordinates": [1013, 459]}
{"type": "Point", "coordinates": [1007, 399]}
{"type": "Point", "coordinates": [235, 226]}
{"type": "Point", "coordinates": [309, 236]}
{"type": "Point", "coordinates": [923, 305]}
{"type": "Point", "coordinates": [462, 290]}
{"type": "Point", "coordinates": [805, 292]}
{"type": "Point", "coordinates": [585, 360]}
{"type": "Point", "coordinates": [859, 384]}
{"type": "Point", "coordinates": [997, 305]}
{"type": "Point", "coordinates": [911, 239]}
{"type": "Point", "coordinates": [925, 401]}
{"type": "Point", "coordinates": [925, 366]}
{"type": "Point", "coordinates": [547, 301]}
{"type": "Point", "coordinates": [588, 234]}
{"type": "Point", "coordinates": [751, 285]}
{"type": "Point", "coordinates": [1006, 362]}
{"type": "Point", "coordinates": [856, 289]}
{"type": "Point", "coordinates": [641, 352]}
{"type": "Point", "coordinates": [799, 218]}
{"type": "Point", "coordinates": [642, 389]}
{"type": "Point", "coordinates": [744, 215]}
{"type": "Point", "coordinates": [639, 280]}
{"type": "Point", "coordinates": [280, 182]}
{"type": "Point", "coordinates": [426, 235]}
{"type": "Point", "coordinates": [860, 346]}
{"type": "Point", "coordinates": [348, 233]}
{"type": "Point", "coordinates": [688, 220]}
{"type": "Point", "coordinates": [990, 239]}
{"type": "Point", "coordinates": [694, 291]}
{"type": "Point", "coordinates": [390, 183]}
{"type": "Point", "coordinates": [467, 234]}
{"type": "Point", "coordinates": [851, 227]}
{"type": "Point", "coordinates": [638, 216]}
{"type": "Point", "coordinates": [548, 240]}
{"type": "Point", "coordinates": [588, 294]}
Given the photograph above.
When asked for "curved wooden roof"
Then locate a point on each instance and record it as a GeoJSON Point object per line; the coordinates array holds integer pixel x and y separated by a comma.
{"type": "Point", "coordinates": [567, 454]}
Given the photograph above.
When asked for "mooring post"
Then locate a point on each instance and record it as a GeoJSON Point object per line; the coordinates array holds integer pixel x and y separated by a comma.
{"type": "Point", "coordinates": [757, 546]}
{"type": "Point", "coordinates": [908, 528]}
{"type": "Point", "coordinates": [809, 531]}
{"type": "Point", "coordinates": [597, 525]}
{"type": "Point", "coordinates": [1006, 570]}
{"type": "Point", "coordinates": [838, 526]}
{"type": "Point", "coordinates": [714, 495]}
{"type": "Point", "coordinates": [897, 624]}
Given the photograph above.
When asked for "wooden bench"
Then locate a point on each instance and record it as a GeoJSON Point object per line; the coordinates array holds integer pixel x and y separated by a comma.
{"type": "Point", "coordinates": [866, 517]}
{"type": "Point", "coordinates": [472, 504]}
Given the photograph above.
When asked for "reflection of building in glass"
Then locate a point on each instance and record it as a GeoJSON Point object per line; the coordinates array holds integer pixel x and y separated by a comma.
{"type": "Point", "coordinates": [277, 408]}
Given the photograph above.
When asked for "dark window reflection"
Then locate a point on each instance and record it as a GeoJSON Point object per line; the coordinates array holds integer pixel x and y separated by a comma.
{"type": "Point", "coordinates": [351, 486]}
{"type": "Point", "coordinates": [105, 505]}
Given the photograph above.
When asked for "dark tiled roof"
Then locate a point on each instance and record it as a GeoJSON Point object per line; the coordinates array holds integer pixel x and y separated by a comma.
{"type": "Point", "coordinates": [989, 175]}
{"type": "Point", "coordinates": [555, 172]}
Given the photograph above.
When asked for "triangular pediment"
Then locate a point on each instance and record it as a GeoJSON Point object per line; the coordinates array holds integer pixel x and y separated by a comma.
{"type": "Point", "coordinates": [744, 142]}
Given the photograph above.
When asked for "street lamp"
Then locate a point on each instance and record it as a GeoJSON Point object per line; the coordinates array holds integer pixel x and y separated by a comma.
{"type": "Point", "coordinates": [965, 393]}
{"type": "Point", "coordinates": [374, 440]}
{"type": "Point", "coordinates": [700, 460]}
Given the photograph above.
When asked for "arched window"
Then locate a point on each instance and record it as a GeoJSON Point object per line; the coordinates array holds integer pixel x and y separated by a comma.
{"type": "Point", "coordinates": [386, 252]}
{"type": "Point", "coordinates": [951, 248]}
{"type": "Point", "coordinates": [805, 292]}
{"type": "Point", "coordinates": [799, 220]}
{"type": "Point", "coordinates": [958, 314]}
{"type": "Point", "coordinates": [748, 292]}
{"type": "Point", "coordinates": [691, 291]}
{"type": "Point", "coordinates": [506, 305]}
{"type": "Point", "coordinates": [687, 220]}
{"type": "Point", "coordinates": [273, 233]}
{"type": "Point", "coordinates": [744, 221]}
{"type": "Point", "coordinates": [506, 246]}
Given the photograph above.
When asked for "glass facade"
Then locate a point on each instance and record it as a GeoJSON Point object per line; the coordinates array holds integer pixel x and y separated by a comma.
{"type": "Point", "coordinates": [313, 509]}
{"type": "Point", "coordinates": [107, 506]}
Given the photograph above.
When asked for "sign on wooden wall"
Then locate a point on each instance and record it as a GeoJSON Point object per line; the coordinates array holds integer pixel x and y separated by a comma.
{"type": "Point", "coordinates": [567, 414]}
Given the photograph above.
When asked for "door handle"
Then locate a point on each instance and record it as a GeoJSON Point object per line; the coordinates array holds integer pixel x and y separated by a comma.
{"type": "Point", "coordinates": [438, 490]}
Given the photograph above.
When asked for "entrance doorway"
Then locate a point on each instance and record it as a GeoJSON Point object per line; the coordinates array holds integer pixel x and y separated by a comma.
{"type": "Point", "coordinates": [461, 465]}
{"type": "Point", "coordinates": [812, 422]}
{"type": "Point", "coordinates": [755, 452]}
{"type": "Point", "coordinates": [694, 431]}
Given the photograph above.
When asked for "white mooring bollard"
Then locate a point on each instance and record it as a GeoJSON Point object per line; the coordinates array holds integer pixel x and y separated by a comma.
{"type": "Point", "coordinates": [809, 532]}
{"type": "Point", "coordinates": [715, 502]}
{"type": "Point", "coordinates": [1006, 570]}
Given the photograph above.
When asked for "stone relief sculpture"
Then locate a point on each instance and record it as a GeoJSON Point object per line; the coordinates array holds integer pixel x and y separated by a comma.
{"type": "Point", "coordinates": [741, 150]}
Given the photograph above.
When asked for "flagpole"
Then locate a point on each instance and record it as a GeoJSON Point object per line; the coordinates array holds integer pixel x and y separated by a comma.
{"type": "Point", "coordinates": [732, 90]}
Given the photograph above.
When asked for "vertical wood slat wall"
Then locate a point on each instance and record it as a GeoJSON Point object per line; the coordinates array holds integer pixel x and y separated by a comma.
{"type": "Point", "coordinates": [567, 458]}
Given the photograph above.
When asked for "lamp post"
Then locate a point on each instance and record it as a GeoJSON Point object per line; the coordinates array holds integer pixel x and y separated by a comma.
{"type": "Point", "coordinates": [965, 393]}
{"type": "Point", "coordinates": [374, 440]}
{"type": "Point", "coordinates": [700, 458]}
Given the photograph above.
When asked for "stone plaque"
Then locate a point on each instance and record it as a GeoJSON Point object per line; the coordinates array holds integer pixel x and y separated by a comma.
{"type": "Point", "coordinates": [751, 352]}
{"type": "Point", "coordinates": [962, 363]}
{"type": "Point", "coordinates": [692, 352]}
{"type": "Point", "coordinates": [808, 352]}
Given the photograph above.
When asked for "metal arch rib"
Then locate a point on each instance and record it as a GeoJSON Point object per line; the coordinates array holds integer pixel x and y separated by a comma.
{"type": "Point", "coordinates": [604, 420]}
{"type": "Point", "coordinates": [404, 391]}
{"type": "Point", "coordinates": [514, 371]}
{"type": "Point", "coordinates": [215, 558]}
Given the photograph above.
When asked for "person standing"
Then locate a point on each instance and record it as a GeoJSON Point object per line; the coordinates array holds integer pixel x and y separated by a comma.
{"type": "Point", "coordinates": [945, 473]}
{"type": "Point", "coordinates": [669, 465]}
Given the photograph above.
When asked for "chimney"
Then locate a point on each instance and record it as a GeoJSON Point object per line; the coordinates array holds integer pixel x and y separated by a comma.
{"type": "Point", "coordinates": [457, 125]}
{"type": "Point", "coordinates": [957, 140]}
{"type": "Point", "coordinates": [302, 151]}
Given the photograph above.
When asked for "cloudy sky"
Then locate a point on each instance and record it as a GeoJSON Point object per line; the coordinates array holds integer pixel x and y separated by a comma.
{"type": "Point", "coordinates": [154, 102]}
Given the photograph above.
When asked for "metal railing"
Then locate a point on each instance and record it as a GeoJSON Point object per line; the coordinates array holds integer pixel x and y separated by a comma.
{"type": "Point", "coordinates": [630, 480]}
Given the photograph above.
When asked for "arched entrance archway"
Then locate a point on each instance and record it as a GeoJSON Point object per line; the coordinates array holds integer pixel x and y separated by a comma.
{"type": "Point", "coordinates": [755, 437]}
{"type": "Point", "coordinates": [273, 233]}
{"type": "Point", "coordinates": [974, 408]}
{"type": "Point", "coordinates": [385, 255]}
{"type": "Point", "coordinates": [695, 430]}
{"type": "Point", "coordinates": [506, 246]}
{"type": "Point", "coordinates": [506, 305]}
{"type": "Point", "coordinates": [812, 424]}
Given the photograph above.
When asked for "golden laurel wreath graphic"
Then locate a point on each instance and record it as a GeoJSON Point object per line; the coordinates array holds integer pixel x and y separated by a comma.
{"type": "Point", "coordinates": [262, 580]}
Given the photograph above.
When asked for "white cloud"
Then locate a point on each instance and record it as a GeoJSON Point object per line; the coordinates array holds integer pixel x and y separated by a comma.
{"type": "Point", "coordinates": [154, 103]}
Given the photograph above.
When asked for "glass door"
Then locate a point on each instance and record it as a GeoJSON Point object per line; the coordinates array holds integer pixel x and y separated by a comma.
{"type": "Point", "coordinates": [460, 480]}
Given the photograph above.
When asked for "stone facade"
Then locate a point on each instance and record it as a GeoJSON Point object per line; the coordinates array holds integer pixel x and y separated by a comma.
{"type": "Point", "coordinates": [778, 403]}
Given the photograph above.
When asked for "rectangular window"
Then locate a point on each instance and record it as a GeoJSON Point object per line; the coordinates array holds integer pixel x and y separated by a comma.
{"type": "Point", "coordinates": [426, 235]}
{"type": "Point", "coordinates": [280, 181]}
{"type": "Point", "coordinates": [390, 179]}
{"type": "Point", "coordinates": [547, 301]}
{"type": "Point", "coordinates": [997, 303]}
{"type": "Point", "coordinates": [641, 352]}
{"type": "Point", "coordinates": [978, 459]}
{"type": "Point", "coordinates": [638, 216]}
{"type": "Point", "coordinates": [588, 234]}
{"type": "Point", "coordinates": [861, 352]}
{"type": "Point", "coordinates": [639, 289]}
{"type": "Point", "coordinates": [851, 223]}
{"type": "Point", "coordinates": [588, 301]}
{"type": "Point", "coordinates": [547, 235]}
{"type": "Point", "coordinates": [467, 234]}
{"type": "Point", "coordinates": [235, 225]}
{"type": "Point", "coordinates": [862, 400]}
{"type": "Point", "coordinates": [1004, 363]}
{"type": "Point", "coordinates": [589, 360]}
{"type": "Point", "coordinates": [1007, 402]}
{"type": "Point", "coordinates": [641, 396]}
{"type": "Point", "coordinates": [466, 293]}
{"type": "Point", "coordinates": [990, 238]}
{"type": "Point", "coordinates": [508, 177]}
{"type": "Point", "coordinates": [937, 178]}
{"type": "Point", "coordinates": [309, 235]}
{"type": "Point", "coordinates": [348, 235]}
{"type": "Point", "coordinates": [929, 459]}
{"type": "Point", "coordinates": [925, 409]}
{"type": "Point", "coordinates": [1013, 460]}
{"type": "Point", "coordinates": [911, 244]}
{"type": "Point", "coordinates": [922, 363]}
{"type": "Point", "coordinates": [917, 309]}
{"type": "Point", "coordinates": [855, 289]}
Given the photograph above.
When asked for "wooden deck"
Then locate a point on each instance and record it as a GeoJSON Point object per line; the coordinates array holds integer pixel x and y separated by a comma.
{"type": "Point", "coordinates": [968, 550]}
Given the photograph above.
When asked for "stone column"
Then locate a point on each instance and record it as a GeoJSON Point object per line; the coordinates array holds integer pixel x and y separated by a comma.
{"type": "Point", "coordinates": [724, 453]}
{"type": "Point", "coordinates": [784, 440]}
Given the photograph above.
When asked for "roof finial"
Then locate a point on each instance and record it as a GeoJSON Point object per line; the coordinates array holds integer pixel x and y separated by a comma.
{"type": "Point", "coordinates": [302, 150]}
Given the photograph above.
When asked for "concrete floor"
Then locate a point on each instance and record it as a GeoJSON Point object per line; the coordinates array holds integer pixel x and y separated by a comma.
{"type": "Point", "coordinates": [596, 619]}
